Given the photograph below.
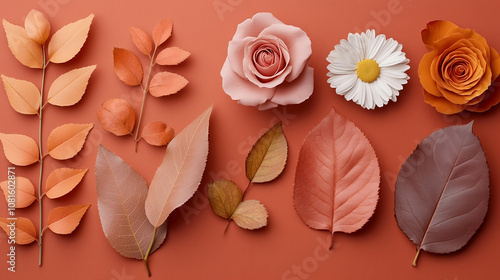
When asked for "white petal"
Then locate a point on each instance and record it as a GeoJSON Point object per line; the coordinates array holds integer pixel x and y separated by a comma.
{"type": "Point", "coordinates": [386, 50]}
{"type": "Point", "coordinates": [375, 46]}
{"type": "Point", "coordinates": [344, 83]}
{"type": "Point", "coordinates": [355, 91]}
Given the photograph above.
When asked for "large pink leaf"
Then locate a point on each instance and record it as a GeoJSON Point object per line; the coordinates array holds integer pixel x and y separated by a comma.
{"type": "Point", "coordinates": [337, 178]}
{"type": "Point", "coordinates": [442, 190]}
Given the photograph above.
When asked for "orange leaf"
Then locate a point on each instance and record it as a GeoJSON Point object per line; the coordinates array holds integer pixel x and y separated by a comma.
{"type": "Point", "coordinates": [64, 220]}
{"type": "Point", "coordinates": [224, 197]}
{"type": "Point", "coordinates": [19, 149]}
{"type": "Point", "coordinates": [23, 96]}
{"type": "Point", "coordinates": [127, 67]}
{"type": "Point", "coordinates": [166, 83]}
{"type": "Point", "coordinates": [67, 140]}
{"type": "Point", "coordinates": [25, 231]}
{"type": "Point", "coordinates": [69, 88]}
{"type": "Point", "coordinates": [68, 41]}
{"type": "Point", "coordinates": [22, 191]}
{"type": "Point", "coordinates": [37, 27]}
{"type": "Point", "coordinates": [63, 180]}
{"type": "Point", "coordinates": [157, 133]}
{"type": "Point", "coordinates": [162, 31]}
{"type": "Point", "coordinates": [141, 40]}
{"type": "Point", "coordinates": [117, 116]}
{"type": "Point", "coordinates": [250, 214]}
{"type": "Point", "coordinates": [172, 56]}
{"type": "Point", "coordinates": [27, 51]}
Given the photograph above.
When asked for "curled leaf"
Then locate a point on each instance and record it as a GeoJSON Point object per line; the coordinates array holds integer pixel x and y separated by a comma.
{"type": "Point", "coordinates": [141, 40]}
{"type": "Point", "coordinates": [224, 197]}
{"type": "Point", "coordinates": [250, 214]}
{"type": "Point", "coordinates": [63, 180]}
{"type": "Point", "coordinates": [157, 133]}
{"type": "Point", "coordinates": [166, 83]}
{"type": "Point", "coordinates": [25, 231]}
{"type": "Point", "coordinates": [69, 88]}
{"type": "Point", "coordinates": [24, 96]}
{"type": "Point", "coordinates": [162, 31]}
{"type": "Point", "coordinates": [69, 40]}
{"type": "Point", "coordinates": [65, 141]}
{"type": "Point", "coordinates": [442, 190]}
{"type": "Point", "coordinates": [37, 27]}
{"type": "Point", "coordinates": [19, 149]}
{"type": "Point", "coordinates": [117, 116]}
{"type": "Point", "coordinates": [127, 67]}
{"type": "Point", "coordinates": [64, 220]}
{"type": "Point", "coordinates": [26, 51]}
{"type": "Point", "coordinates": [21, 189]}
{"type": "Point", "coordinates": [172, 56]}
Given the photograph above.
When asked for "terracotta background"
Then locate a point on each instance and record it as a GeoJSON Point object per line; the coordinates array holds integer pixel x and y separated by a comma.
{"type": "Point", "coordinates": [196, 247]}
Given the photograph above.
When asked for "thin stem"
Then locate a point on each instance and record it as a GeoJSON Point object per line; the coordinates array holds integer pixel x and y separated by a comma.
{"type": "Point", "coordinates": [40, 196]}
{"type": "Point", "coordinates": [149, 252]}
{"type": "Point", "coordinates": [416, 257]}
{"type": "Point", "coordinates": [245, 191]}
{"type": "Point", "coordinates": [228, 223]}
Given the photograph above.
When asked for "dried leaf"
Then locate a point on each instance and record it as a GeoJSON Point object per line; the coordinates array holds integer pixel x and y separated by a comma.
{"type": "Point", "coordinates": [67, 140]}
{"type": "Point", "coordinates": [64, 220]}
{"type": "Point", "coordinates": [442, 190]}
{"type": "Point", "coordinates": [63, 180]}
{"type": "Point", "coordinates": [117, 116]}
{"type": "Point", "coordinates": [37, 27]}
{"type": "Point", "coordinates": [20, 150]}
{"type": "Point", "coordinates": [68, 41]}
{"type": "Point", "coordinates": [166, 83]}
{"type": "Point", "coordinates": [162, 31]}
{"type": "Point", "coordinates": [141, 40]}
{"type": "Point", "coordinates": [25, 231]}
{"type": "Point", "coordinates": [172, 56]}
{"type": "Point", "coordinates": [224, 197]}
{"type": "Point", "coordinates": [250, 214]}
{"type": "Point", "coordinates": [121, 195]}
{"type": "Point", "coordinates": [27, 51]}
{"type": "Point", "coordinates": [180, 173]}
{"type": "Point", "coordinates": [337, 177]}
{"type": "Point", "coordinates": [23, 96]}
{"type": "Point", "coordinates": [127, 67]}
{"type": "Point", "coordinates": [267, 158]}
{"type": "Point", "coordinates": [69, 88]}
{"type": "Point", "coordinates": [23, 191]}
{"type": "Point", "coordinates": [157, 133]}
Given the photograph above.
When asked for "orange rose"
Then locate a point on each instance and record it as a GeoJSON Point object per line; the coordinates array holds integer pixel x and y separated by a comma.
{"type": "Point", "coordinates": [458, 70]}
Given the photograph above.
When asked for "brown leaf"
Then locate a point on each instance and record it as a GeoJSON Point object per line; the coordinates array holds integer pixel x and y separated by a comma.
{"type": "Point", "coordinates": [141, 40]}
{"type": "Point", "coordinates": [22, 192]}
{"type": "Point", "coordinates": [121, 194]}
{"type": "Point", "coordinates": [127, 67]}
{"type": "Point", "coordinates": [64, 220]}
{"type": "Point", "coordinates": [117, 116]}
{"type": "Point", "coordinates": [162, 31]}
{"type": "Point", "coordinates": [250, 214]}
{"type": "Point", "coordinates": [180, 173]}
{"type": "Point", "coordinates": [172, 56]}
{"type": "Point", "coordinates": [166, 83]}
{"type": "Point", "coordinates": [224, 197]}
{"type": "Point", "coordinates": [37, 27]}
{"type": "Point", "coordinates": [67, 140]}
{"type": "Point", "coordinates": [69, 88]}
{"type": "Point", "coordinates": [157, 133]}
{"type": "Point", "coordinates": [23, 96]}
{"type": "Point", "coordinates": [19, 149]}
{"type": "Point", "coordinates": [68, 41]}
{"type": "Point", "coordinates": [63, 180]}
{"type": "Point", "coordinates": [27, 51]}
{"type": "Point", "coordinates": [24, 233]}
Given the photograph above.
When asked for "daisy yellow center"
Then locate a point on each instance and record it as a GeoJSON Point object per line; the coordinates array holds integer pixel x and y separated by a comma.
{"type": "Point", "coordinates": [368, 70]}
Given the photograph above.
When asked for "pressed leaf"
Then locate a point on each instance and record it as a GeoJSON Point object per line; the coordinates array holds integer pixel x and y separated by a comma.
{"type": "Point", "coordinates": [337, 177]}
{"type": "Point", "coordinates": [25, 231]}
{"type": "Point", "coordinates": [68, 41]}
{"type": "Point", "coordinates": [67, 140]}
{"type": "Point", "coordinates": [64, 220]}
{"type": "Point", "coordinates": [117, 116]}
{"type": "Point", "coordinates": [172, 56]}
{"type": "Point", "coordinates": [26, 51]}
{"type": "Point", "coordinates": [157, 133]}
{"type": "Point", "coordinates": [63, 180]}
{"type": "Point", "coordinates": [442, 190]}
{"type": "Point", "coordinates": [23, 190]}
{"type": "Point", "coordinates": [141, 40]}
{"type": "Point", "coordinates": [180, 173]}
{"type": "Point", "coordinates": [19, 149]}
{"type": "Point", "coordinates": [37, 27]}
{"type": "Point", "coordinates": [24, 96]}
{"type": "Point", "coordinates": [162, 31]}
{"type": "Point", "coordinates": [267, 158]}
{"type": "Point", "coordinates": [250, 214]}
{"type": "Point", "coordinates": [121, 195]}
{"type": "Point", "coordinates": [69, 88]}
{"type": "Point", "coordinates": [166, 83]}
{"type": "Point", "coordinates": [127, 67]}
{"type": "Point", "coordinates": [224, 197]}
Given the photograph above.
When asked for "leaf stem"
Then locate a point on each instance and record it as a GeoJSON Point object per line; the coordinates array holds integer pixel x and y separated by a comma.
{"type": "Point", "coordinates": [416, 257]}
{"type": "Point", "coordinates": [228, 223]}
{"type": "Point", "coordinates": [40, 195]}
{"type": "Point", "coordinates": [149, 252]}
{"type": "Point", "coordinates": [246, 189]}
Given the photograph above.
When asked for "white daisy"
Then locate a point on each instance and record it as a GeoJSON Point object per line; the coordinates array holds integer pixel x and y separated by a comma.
{"type": "Point", "coordinates": [368, 70]}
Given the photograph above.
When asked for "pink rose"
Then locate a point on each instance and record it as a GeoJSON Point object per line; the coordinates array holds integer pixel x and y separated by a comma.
{"type": "Point", "coordinates": [266, 64]}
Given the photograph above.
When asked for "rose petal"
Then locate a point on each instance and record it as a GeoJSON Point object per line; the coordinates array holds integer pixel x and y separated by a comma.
{"type": "Point", "coordinates": [267, 105]}
{"type": "Point", "coordinates": [236, 54]}
{"type": "Point", "coordinates": [494, 63]}
{"type": "Point", "coordinates": [296, 91]}
{"type": "Point", "coordinates": [254, 26]}
{"type": "Point", "coordinates": [442, 105]}
{"type": "Point", "coordinates": [436, 30]}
